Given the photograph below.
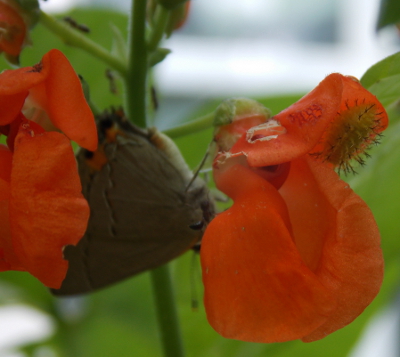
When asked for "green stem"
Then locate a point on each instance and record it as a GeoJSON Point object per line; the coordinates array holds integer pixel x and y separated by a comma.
{"type": "Point", "coordinates": [74, 38]}
{"type": "Point", "coordinates": [202, 123]}
{"type": "Point", "coordinates": [137, 67]}
{"type": "Point", "coordinates": [166, 312]}
{"type": "Point", "coordinates": [161, 17]}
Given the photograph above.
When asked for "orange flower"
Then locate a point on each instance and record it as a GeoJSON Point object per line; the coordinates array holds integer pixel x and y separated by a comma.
{"type": "Point", "coordinates": [298, 254]}
{"type": "Point", "coordinates": [50, 94]}
{"type": "Point", "coordinates": [41, 205]}
{"type": "Point", "coordinates": [14, 25]}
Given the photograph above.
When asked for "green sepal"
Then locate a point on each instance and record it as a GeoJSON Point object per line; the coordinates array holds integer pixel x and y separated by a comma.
{"type": "Point", "coordinates": [119, 46]}
{"type": "Point", "coordinates": [232, 108]}
{"type": "Point", "coordinates": [158, 56]}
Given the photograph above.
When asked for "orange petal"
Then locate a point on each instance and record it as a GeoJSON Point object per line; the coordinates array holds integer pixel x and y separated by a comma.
{"type": "Point", "coordinates": [351, 263]}
{"type": "Point", "coordinates": [12, 105]}
{"type": "Point", "coordinates": [8, 259]}
{"type": "Point", "coordinates": [65, 102]}
{"type": "Point", "coordinates": [305, 121]}
{"type": "Point", "coordinates": [5, 163]}
{"type": "Point", "coordinates": [47, 209]}
{"type": "Point", "coordinates": [5, 233]}
{"type": "Point", "coordinates": [5, 173]}
{"type": "Point", "coordinates": [15, 81]}
{"type": "Point", "coordinates": [257, 288]}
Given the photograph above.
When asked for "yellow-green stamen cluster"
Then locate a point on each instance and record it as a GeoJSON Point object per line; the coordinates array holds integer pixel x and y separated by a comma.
{"type": "Point", "coordinates": [350, 135]}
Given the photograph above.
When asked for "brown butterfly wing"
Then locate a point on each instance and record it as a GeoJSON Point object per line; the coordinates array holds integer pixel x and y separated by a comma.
{"type": "Point", "coordinates": [140, 215]}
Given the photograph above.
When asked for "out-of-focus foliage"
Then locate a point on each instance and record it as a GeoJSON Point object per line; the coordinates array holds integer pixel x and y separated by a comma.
{"type": "Point", "coordinates": [389, 13]}
{"type": "Point", "coordinates": [120, 321]}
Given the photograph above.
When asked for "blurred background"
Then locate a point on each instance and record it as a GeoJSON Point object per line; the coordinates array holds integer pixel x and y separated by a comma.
{"type": "Point", "coordinates": [271, 50]}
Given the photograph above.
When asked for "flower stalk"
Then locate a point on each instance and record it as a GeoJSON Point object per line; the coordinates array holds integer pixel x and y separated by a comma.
{"type": "Point", "coordinates": [74, 38]}
{"type": "Point", "coordinates": [198, 124]}
{"type": "Point", "coordinates": [136, 78]}
{"type": "Point", "coordinates": [166, 312]}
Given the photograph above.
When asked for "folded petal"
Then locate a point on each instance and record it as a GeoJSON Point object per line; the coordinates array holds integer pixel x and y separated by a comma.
{"type": "Point", "coordinates": [304, 122]}
{"type": "Point", "coordinates": [47, 209]}
{"type": "Point", "coordinates": [337, 121]}
{"type": "Point", "coordinates": [54, 86]}
{"type": "Point", "coordinates": [351, 263]}
{"type": "Point", "coordinates": [12, 105]}
{"type": "Point", "coordinates": [14, 81]}
{"type": "Point", "coordinates": [257, 287]}
{"type": "Point", "coordinates": [65, 102]}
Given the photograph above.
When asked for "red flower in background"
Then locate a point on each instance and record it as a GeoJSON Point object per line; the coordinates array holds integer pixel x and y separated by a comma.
{"type": "Point", "coordinates": [41, 205]}
{"type": "Point", "coordinates": [298, 254]}
{"type": "Point", "coordinates": [16, 19]}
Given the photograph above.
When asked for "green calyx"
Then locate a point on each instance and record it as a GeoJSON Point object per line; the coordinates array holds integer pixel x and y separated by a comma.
{"type": "Point", "coordinates": [233, 108]}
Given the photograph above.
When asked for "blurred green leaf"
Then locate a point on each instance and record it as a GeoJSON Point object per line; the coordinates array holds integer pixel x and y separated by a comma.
{"type": "Point", "coordinates": [103, 25]}
{"type": "Point", "coordinates": [389, 13]}
{"type": "Point", "coordinates": [383, 80]}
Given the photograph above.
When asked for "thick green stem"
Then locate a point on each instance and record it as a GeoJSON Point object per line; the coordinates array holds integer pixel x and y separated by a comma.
{"type": "Point", "coordinates": [202, 123]}
{"type": "Point", "coordinates": [74, 38]}
{"type": "Point", "coordinates": [137, 67]}
{"type": "Point", "coordinates": [166, 312]}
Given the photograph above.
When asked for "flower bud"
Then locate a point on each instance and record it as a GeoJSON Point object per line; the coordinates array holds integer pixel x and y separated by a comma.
{"type": "Point", "coordinates": [233, 117]}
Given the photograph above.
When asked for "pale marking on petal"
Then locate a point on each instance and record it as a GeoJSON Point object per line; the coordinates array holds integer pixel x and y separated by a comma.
{"type": "Point", "coordinates": [259, 132]}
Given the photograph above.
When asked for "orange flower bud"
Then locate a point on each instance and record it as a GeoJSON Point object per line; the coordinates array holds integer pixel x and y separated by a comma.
{"type": "Point", "coordinates": [16, 19]}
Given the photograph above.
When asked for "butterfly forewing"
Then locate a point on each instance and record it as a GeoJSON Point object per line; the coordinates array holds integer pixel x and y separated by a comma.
{"type": "Point", "coordinates": [142, 214]}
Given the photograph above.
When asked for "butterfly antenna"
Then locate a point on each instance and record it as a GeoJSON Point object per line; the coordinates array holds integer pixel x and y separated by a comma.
{"type": "Point", "coordinates": [203, 161]}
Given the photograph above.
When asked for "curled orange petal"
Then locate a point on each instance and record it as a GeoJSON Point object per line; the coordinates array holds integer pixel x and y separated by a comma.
{"type": "Point", "coordinates": [47, 209]}
{"type": "Point", "coordinates": [66, 103]}
{"type": "Point", "coordinates": [337, 121]}
{"type": "Point", "coordinates": [304, 123]}
{"type": "Point", "coordinates": [351, 263]}
{"type": "Point", "coordinates": [55, 88]}
{"type": "Point", "coordinates": [257, 288]}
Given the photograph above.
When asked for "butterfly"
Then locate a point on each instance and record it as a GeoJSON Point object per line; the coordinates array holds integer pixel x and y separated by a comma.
{"type": "Point", "coordinates": [146, 206]}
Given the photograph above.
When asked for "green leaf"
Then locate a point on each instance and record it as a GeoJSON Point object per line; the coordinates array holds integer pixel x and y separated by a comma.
{"type": "Point", "coordinates": [378, 184]}
{"type": "Point", "coordinates": [389, 13]}
{"type": "Point", "coordinates": [383, 80]}
{"type": "Point", "coordinates": [92, 69]}
{"type": "Point", "coordinates": [389, 66]}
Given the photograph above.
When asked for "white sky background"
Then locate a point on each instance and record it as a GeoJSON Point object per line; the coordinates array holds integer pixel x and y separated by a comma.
{"type": "Point", "coordinates": [218, 66]}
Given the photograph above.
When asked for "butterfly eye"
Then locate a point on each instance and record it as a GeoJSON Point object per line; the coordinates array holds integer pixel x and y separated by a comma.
{"type": "Point", "coordinates": [197, 226]}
